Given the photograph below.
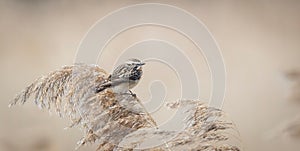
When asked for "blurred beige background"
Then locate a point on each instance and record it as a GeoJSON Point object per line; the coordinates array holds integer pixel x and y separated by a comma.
{"type": "Point", "coordinates": [260, 40]}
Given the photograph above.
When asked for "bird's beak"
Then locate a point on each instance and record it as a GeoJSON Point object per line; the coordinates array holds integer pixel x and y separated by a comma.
{"type": "Point", "coordinates": [141, 64]}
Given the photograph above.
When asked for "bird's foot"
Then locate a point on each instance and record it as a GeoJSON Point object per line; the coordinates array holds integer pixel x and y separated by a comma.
{"type": "Point", "coordinates": [128, 93]}
{"type": "Point", "coordinates": [132, 94]}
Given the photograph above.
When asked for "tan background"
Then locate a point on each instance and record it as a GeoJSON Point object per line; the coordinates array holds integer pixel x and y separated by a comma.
{"type": "Point", "coordinates": [259, 41]}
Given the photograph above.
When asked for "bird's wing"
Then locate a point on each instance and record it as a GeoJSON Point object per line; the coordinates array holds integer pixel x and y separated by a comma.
{"type": "Point", "coordinates": [102, 87]}
{"type": "Point", "coordinates": [122, 71]}
{"type": "Point", "coordinates": [110, 83]}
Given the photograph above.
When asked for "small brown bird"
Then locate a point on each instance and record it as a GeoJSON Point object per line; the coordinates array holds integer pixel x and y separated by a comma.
{"type": "Point", "coordinates": [124, 77]}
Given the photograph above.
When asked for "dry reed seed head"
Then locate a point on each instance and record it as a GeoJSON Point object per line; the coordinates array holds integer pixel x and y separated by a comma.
{"type": "Point", "coordinates": [110, 120]}
{"type": "Point", "coordinates": [202, 134]}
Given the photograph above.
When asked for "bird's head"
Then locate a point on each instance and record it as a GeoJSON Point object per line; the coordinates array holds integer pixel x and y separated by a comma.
{"type": "Point", "coordinates": [135, 63]}
{"type": "Point", "coordinates": [131, 69]}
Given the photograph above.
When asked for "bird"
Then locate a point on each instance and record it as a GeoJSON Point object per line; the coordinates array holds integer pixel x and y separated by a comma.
{"type": "Point", "coordinates": [124, 77]}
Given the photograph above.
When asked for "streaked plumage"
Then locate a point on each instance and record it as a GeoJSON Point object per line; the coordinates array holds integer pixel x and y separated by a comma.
{"type": "Point", "coordinates": [124, 77]}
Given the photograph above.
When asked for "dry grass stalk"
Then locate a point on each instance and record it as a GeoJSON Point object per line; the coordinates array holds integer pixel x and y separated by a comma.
{"type": "Point", "coordinates": [293, 78]}
{"type": "Point", "coordinates": [109, 118]}
{"type": "Point", "coordinates": [289, 128]}
{"type": "Point", "coordinates": [293, 127]}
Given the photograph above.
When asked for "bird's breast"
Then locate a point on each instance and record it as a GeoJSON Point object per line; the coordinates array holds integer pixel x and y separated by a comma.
{"type": "Point", "coordinates": [136, 75]}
